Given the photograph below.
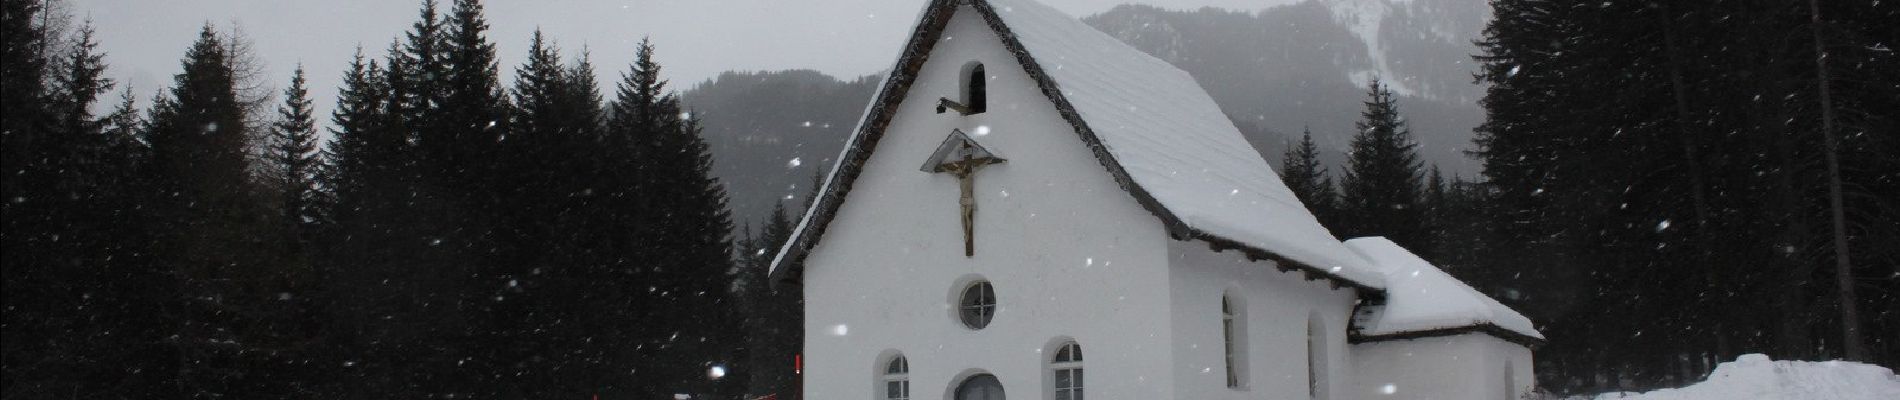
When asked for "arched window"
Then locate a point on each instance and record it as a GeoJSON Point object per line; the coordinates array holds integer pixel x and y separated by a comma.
{"type": "Point", "coordinates": [896, 379]}
{"type": "Point", "coordinates": [1232, 325]}
{"type": "Point", "coordinates": [980, 387]}
{"type": "Point", "coordinates": [977, 306]}
{"type": "Point", "coordinates": [1315, 357]}
{"type": "Point", "coordinates": [1067, 366]}
{"type": "Point", "coordinates": [975, 90]}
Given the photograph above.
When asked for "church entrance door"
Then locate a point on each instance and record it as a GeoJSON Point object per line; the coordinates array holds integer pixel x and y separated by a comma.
{"type": "Point", "coordinates": [980, 387]}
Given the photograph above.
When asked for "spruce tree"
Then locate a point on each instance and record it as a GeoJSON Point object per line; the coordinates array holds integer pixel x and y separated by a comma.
{"type": "Point", "coordinates": [774, 324]}
{"type": "Point", "coordinates": [204, 213]}
{"type": "Point", "coordinates": [547, 190]}
{"type": "Point", "coordinates": [23, 74]}
{"type": "Point", "coordinates": [467, 123]}
{"type": "Point", "coordinates": [295, 158]}
{"type": "Point", "coordinates": [82, 307]}
{"type": "Point", "coordinates": [373, 248]}
{"type": "Point", "coordinates": [680, 234]}
{"type": "Point", "coordinates": [362, 148]}
{"type": "Point", "coordinates": [1302, 172]}
{"type": "Point", "coordinates": [1380, 191]}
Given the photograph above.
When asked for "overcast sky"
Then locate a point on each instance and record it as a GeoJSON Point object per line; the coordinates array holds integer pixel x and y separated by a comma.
{"type": "Point", "coordinates": [696, 39]}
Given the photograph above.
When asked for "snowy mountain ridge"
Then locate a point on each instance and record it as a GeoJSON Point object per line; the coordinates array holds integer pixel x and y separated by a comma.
{"type": "Point", "coordinates": [1385, 26]}
{"type": "Point", "coordinates": [1420, 47]}
{"type": "Point", "coordinates": [1365, 18]}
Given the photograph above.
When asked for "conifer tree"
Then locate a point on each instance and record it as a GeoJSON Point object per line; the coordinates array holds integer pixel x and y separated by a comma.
{"type": "Point", "coordinates": [1380, 190]}
{"type": "Point", "coordinates": [468, 121]}
{"type": "Point", "coordinates": [416, 68]}
{"type": "Point", "coordinates": [295, 158]}
{"type": "Point", "coordinates": [23, 73]}
{"type": "Point", "coordinates": [1432, 203]}
{"type": "Point", "coordinates": [199, 162]}
{"type": "Point", "coordinates": [681, 232]}
{"type": "Point", "coordinates": [1302, 172]}
{"type": "Point", "coordinates": [774, 324]}
{"type": "Point", "coordinates": [204, 212]}
{"type": "Point", "coordinates": [82, 308]}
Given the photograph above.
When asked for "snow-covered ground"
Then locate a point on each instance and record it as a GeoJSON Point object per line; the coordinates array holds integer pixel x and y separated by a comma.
{"type": "Point", "coordinates": [1754, 376]}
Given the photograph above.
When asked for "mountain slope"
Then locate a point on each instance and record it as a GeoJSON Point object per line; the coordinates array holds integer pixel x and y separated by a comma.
{"type": "Point", "coordinates": [771, 132]}
{"type": "Point", "coordinates": [1285, 68]}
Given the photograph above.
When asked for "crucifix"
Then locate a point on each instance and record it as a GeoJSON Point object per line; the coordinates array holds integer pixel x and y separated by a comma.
{"type": "Point", "coordinates": [961, 156]}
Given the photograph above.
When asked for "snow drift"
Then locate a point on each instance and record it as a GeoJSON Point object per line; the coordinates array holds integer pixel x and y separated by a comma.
{"type": "Point", "coordinates": [1754, 376]}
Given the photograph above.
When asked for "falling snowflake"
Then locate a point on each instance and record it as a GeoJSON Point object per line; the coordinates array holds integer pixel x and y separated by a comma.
{"type": "Point", "coordinates": [794, 163]}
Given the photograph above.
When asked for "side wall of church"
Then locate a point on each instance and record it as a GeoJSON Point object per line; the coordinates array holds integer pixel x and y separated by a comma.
{"type": "Point", "coordinates": [1070, 254]}
{"type": "Point", "coordinates": [1275, 311]}
{"type": "Point", "coordinates": [1469, 366]}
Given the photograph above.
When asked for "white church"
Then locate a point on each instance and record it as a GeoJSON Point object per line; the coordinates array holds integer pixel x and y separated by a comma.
{"type": "Point", "coordinates": [1028, 202]}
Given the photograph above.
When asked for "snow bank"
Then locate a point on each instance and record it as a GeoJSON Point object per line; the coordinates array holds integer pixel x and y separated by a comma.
{"type": "Point", "coordinates": [1754, 376]}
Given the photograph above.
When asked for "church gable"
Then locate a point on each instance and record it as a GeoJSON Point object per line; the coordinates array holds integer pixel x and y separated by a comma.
{"type": "Point", "coordinates": [943, 181]}
{"type": "Point", "coordinates": [1148, 124]}
{"type": "Point", "coordinates": [1052, 239]}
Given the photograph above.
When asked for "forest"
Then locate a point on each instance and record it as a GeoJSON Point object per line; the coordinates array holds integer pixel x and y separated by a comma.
{"type": "Point", "coordinates": [1664, 187]}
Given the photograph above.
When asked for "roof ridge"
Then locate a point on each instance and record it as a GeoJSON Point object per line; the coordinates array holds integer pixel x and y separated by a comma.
{"type": "Point", "coordinates": [930, 27]}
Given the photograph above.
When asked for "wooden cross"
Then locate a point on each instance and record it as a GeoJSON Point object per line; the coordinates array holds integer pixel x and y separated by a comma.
{"type": "Point", "coordinates": [961, 156]}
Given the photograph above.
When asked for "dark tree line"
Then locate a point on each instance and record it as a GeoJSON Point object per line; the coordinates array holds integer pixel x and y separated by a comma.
{"type": "Point", "coordinates": [454, 237]}
{"type": "Point", "coordinates": [1671, 185]}
{"type": "Point", "coordinates": [1665, 187]}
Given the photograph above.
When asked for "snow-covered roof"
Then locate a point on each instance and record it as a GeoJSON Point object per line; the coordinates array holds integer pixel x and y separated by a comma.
{"type": "Point", "coordinates": [1150, 124]}
{"type": "Point", "coordinates": [1421, 299]}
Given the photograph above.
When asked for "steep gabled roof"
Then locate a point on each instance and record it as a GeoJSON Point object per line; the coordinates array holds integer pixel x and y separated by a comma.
{"type": "Point", "coordinates": [1423, 301]}
{"type": "Point", "coordinates": [1150, 125]}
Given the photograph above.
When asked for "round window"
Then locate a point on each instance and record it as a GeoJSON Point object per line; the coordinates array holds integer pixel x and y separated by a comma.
{"type": "Point", "coordinates": [977, 305]}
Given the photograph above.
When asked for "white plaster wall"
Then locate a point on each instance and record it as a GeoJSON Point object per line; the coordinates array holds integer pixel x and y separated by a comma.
{"type": "Point", "coordinates": [1071, 255]}
{"type": "Point", "coordinates": [1277, 307]}
{"type": "Point", "coordinates": [1469, 366]}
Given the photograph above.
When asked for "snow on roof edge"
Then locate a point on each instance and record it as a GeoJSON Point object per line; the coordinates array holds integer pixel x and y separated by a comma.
{"type": "Point", "coordinates": [1420, 297]}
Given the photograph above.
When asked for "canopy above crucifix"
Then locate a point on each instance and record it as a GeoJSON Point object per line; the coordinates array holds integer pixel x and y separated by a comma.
{"type": "Point", "coordinates": [958, 151]}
